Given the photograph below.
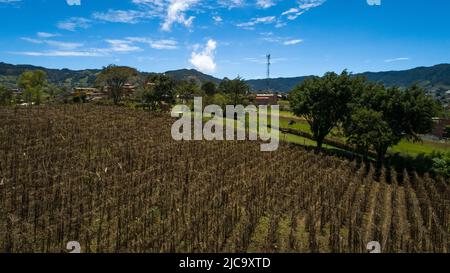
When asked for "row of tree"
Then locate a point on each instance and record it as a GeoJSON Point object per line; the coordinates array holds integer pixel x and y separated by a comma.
{"type": "Point", "coordinates": [35, 89]}
{"type": "Point", "coordinates": [157, 90]}
{"type": "Point", "coordinates": [371, 116]}
{"type": "Point", "coordinates": [153, 91]}
{"type": "Point", "coordinates": [32, 83]}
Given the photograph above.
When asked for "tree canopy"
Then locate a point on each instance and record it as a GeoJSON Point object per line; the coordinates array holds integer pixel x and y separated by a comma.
{"type": "Point", "coordinates": [372, 116]}
{"type": "Point", "coordinates": [236, 89]}
{"type": "Point", "coordinates": [158, 89]}
{"type": "Point", "coordinates": [367, 129]}
{"type": "Point", "coordinates": [394, 115]}
{"type": "Point", "coordinates": [115, 77]}
{"type": "Point", "coordinates": [5, 96]}
{"type": "Point", "coordinates": [325, 101]}
{"type": "Point", "coordinates": [33, 83]}
{"type": "Point", "coordinates": [210, 88]}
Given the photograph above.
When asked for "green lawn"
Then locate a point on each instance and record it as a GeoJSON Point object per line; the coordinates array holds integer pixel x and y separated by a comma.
{"type": "Point", "coordinates": [426, 147]}
{"type": "Point", "coordinates": [294, 124]}
{"type": "Point", "coordinates": [297, 140]}
{"type": "Point", "coordinates": [288, 120]}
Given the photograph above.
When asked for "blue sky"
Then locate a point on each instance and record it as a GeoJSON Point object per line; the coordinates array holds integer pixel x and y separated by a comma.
{"type": "Point", "coordinates": [227, 37]}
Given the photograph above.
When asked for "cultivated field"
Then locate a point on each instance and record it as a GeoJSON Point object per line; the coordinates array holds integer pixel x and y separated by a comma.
{"type": "Point", "coordinates": [115, 181]}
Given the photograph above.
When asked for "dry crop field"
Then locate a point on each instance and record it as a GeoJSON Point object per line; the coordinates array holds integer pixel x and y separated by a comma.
{"type": "Point", "coordinates": [115, 181]}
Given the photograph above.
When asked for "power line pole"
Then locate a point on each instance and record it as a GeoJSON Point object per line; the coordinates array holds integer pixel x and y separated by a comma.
{"type": "Point", "coordinates": [268, 72]}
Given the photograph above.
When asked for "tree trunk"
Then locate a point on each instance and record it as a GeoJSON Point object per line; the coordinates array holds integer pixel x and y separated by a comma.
{"type": "Point", "coordinates": [366, 154]}
{"type": "Point", "coordinates": [319, 144]}
{"type": "Point", "coordinates": [381, 153]}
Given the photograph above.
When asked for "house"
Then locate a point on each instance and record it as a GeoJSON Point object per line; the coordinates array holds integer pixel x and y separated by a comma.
{"type": "Point", "coordinates": [439, 126]}
{"type": "Point", "coordinates": [447, 95]}
{"type": "Point", "coordinates": [282, 96]}
{"type": "Point", "coordinates": [266, 99]}
{"type": "Point", "coordinates": [16, 91]}
{"type": "Point", "coordinates": [128, 89]}
{"type": "Point", "coordinates": [77, 91]}
{"type": "Point", "coordinates": [90, 93]}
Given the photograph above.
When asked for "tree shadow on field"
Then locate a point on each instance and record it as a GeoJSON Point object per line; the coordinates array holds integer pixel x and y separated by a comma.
{"type": "Point", "coordinates": [394, 164]}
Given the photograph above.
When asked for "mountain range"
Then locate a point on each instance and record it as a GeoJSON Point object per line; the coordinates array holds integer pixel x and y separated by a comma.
{"type": "Point", "coordinates": [433, 79]}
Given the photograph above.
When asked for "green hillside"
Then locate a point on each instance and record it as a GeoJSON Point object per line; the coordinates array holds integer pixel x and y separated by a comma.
{"type": "Point", "coordinates": [279, 84]}
{"type": "Point", "coordinates": [433, 79]}
{"type": "Point", "coordinates": [61, 77]}
{"type": "Point", "coordinates": [187, 74]}
{"type": "Point", "coordinates": [84, 78]}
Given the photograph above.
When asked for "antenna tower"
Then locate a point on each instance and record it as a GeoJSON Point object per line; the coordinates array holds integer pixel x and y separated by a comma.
{"type": "Point", "coordinates": [268, 71]}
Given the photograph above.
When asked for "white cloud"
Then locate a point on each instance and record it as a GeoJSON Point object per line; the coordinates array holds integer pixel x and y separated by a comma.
{"type": "Point", "coordinates": [58, 44]}
{"type": "Point", "coordinates": [73, 23]}
{"type": "Point", "coordinates": [293, 13]}
{"type": "Point", "coordinates": [309, 4]}
{"type": "Point", "coordinates": [154, 7]}
{"type": "Point", "coordinates": [217, 19]}
{"type": "Point", "coordinates": [255, 21]}
{"type": "Point", "coordinates": [231, 4]}
{"type": "Point", "coordinates": [176, 13]}
{"type": "Point", "coordinates": [290, 11]}
{"type": "Point", "coordinates": [303, 6]}
{"type": "Point", "coordinates": [149, 2]}
{"type": "Point", "coordinates": [204, 60]}
{"type": "Point", "coordinates": [155, 44]}
{"type": "Point", "coordinates": [270, 37]}
{"type": "Point", "coordinates": [164, 44]}
{"type": "Point", "coordinates": [292, 42]}
{"type": "Point", "coordinates": [63, 45]}
{"type": "Point", "coordinates": [9, 1]}
{"type": "Point", "coordinates": [265, 3]}
{"type": "Point", "coordinates": [74, 2]}
{"type": "Point", "coordinates": [119, 16]}
{"type": "Point", "coordinates": [46, 35]}
{"type": "Point", "coordinates": [112, 47]}
{"type": "Point", "coordinates": [280, 24]}
{"type": "Point", "coordinates": [396, 60]}
{"type": "Point", "coordinates": [374, 2]}
{"type": "Point", "coordinates": [122, 46]}
{"type": "Point", "coordinates": [173, 12]}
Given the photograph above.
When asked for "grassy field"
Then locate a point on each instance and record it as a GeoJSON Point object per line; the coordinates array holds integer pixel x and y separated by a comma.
{"type": "Point", "coordinates": [294, 124]}
{"type": "Point", "coordinates": [424, 147]}
{"type": "Point", "coordinates": [404, 147]}
{"type": "Point", "coordinates": [289, 121]}
{"type": "Point", "coordinates": [298, 140]}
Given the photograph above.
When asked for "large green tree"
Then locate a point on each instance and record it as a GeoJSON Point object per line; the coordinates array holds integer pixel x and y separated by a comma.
{"type": "Point", "coordinates": [115, 77]}
{"type": "Point", "coordinates": [236, 89]}
{"type": "Point", "coordinates": [367, 129]}
{"type": "Point", "coordinates": [224, 85]}
{"type": "Point", "coordinates": [186, 90]}
{"type": "Point", "coordinates": [33, 83]}
{"type": "Point", "coordinates": [325, 101]}
{"type": "Point", "coordinates": [158, 89]}
{"type": "Point", "coordinates": [5, 96]}
{"type": "Point", "coordinates": [210, 88]}
{"type": "Point", "coordinates": [393, 114]}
